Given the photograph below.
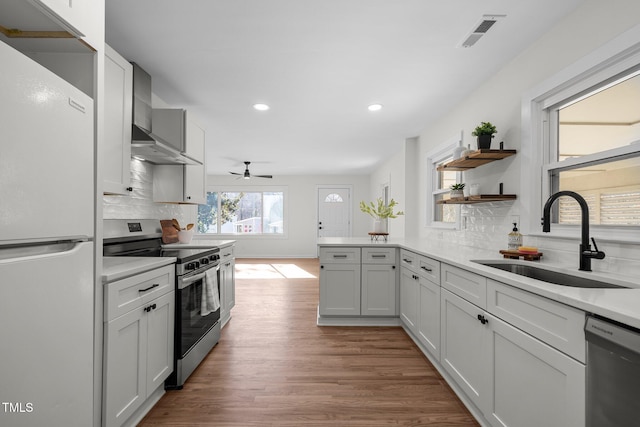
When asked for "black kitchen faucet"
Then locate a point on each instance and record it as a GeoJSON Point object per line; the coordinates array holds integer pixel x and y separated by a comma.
{"type": "Point", "coordinates": [585, 248]}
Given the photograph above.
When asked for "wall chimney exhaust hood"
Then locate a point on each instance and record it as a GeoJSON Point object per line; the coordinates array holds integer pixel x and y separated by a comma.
{"type": "Point", "coordinates": [147, 144]}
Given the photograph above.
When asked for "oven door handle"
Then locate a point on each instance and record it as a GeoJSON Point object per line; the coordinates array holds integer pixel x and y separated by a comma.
{"type": "Point", "coordinates": [184, 282]}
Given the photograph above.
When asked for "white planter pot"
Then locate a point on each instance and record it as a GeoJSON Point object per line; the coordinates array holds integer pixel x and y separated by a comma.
{"type": "Point", "coordinates": [456, 194]}
{"type": "Point", "coordinates": [379, 226]}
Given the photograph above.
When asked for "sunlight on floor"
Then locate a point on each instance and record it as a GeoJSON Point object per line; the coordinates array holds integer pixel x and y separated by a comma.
{"type": "Point", "coordinates": [271, 271]}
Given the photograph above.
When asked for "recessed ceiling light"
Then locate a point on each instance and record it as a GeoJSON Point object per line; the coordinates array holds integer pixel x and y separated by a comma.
{"type": "Point", "coordinates": [261, 107]}
{"type": "Point", "coordinates": [375, 107]}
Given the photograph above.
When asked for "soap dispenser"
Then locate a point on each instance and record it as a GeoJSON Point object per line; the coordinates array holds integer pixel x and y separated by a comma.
{"type": "Point", "coordinates": [515, 238]}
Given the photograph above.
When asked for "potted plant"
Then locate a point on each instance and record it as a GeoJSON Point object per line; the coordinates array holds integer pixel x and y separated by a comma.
{"type": "Point", "coordinates": [457, 191]}
{"type": "Point", "coordinates": [380, 212]}
{"type": "Point", "coordinates": [485, 133]}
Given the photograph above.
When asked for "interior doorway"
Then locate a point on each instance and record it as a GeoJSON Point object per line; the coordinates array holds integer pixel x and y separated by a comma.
{"type": "Point", "coordinates": [334, 211]}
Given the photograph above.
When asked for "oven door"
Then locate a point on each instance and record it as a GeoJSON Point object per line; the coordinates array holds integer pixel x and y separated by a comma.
{"type": "Point", "coordinates": [191, 325]}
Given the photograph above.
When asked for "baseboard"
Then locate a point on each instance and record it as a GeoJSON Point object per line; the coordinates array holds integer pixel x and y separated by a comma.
{"type": "Point", "coordinates": [357, 321]}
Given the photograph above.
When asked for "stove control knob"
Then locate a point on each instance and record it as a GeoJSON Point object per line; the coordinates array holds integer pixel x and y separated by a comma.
{"type": "Point", "coordinates": [214, 257]}
{"type": "Point", "coordinates": [204, 261]}
{"type": "Point", "coordinates": [190, 266]}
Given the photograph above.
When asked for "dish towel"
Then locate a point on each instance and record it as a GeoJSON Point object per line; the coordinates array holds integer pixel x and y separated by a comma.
{"type": "Point", "coordinates": [210, 296]}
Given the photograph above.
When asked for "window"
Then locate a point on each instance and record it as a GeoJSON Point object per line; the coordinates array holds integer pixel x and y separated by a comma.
{"type": "Point", "coordinates": [594, 150]}
{"type": "Point", "coordinates": [581, 132]}
{"type": "Point", "coordinates": [442, 215]}
{"type": "Point", "coordinates": [333, 198]}
{"type": "Point", "coordinates": [242, 213]}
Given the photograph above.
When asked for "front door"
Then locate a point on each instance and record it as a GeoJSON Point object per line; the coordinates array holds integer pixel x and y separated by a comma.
{"type": "Point", "coordinates": [334, 211]}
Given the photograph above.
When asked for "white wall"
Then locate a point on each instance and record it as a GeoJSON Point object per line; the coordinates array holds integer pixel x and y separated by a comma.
{"type": "Point", "coordinates": [392, 173]}
{"type": "Point", "coordinates": [301, 212]}
{"type": "Point", "coordinates": [499, 100]}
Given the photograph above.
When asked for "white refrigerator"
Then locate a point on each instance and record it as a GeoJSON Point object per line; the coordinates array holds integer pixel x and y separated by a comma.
{"type": "Point", "coordinates": [46, 247]}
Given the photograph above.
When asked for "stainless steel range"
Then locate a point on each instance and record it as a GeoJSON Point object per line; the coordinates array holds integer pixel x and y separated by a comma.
{"type": "Point", "coordinates": [197, 317]}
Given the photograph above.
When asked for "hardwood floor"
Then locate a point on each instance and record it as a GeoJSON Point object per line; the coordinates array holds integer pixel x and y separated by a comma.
{"type": "Point", "coordinates": [274, 367]}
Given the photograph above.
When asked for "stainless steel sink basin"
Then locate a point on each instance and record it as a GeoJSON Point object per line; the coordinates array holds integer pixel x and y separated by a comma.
{"type": "Point", "coordinates": [549, 276]}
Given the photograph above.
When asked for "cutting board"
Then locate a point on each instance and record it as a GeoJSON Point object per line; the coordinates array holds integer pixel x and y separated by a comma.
{"type": "Point", "coordinates": [169, 232]}
{"type": "Point", "coordinates": [516, 254]}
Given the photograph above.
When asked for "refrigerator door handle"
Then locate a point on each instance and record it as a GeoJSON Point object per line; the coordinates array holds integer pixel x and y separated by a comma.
{"type": "Point", "coordinates": [34, 251]}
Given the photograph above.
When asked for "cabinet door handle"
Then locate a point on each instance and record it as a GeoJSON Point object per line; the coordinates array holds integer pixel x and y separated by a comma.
{"type": "Point", "coordinates": [155, 285]}
{"type": "Point", "coordinates": [322, 266]}
{"type": "Point", "coordinates": [408, 261]}
{"type": "Point", "coordinates": [378, 256]}
{"type": "Point", "coordinates": [482, 319]}
{"type": "Point", "coordinates": [339, 256]}
{"type": "Point", "coordinates": [426, 269]}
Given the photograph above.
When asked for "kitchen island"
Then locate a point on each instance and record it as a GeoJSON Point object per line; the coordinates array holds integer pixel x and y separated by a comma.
{"type": "Point", "coordinates": [621, 305]}
{"type": "Point", "coordinates": [508, 345]}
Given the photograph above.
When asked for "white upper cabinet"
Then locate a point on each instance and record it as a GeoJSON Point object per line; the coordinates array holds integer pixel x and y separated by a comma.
{"type": "Point", "coordinates": [180, 183]}
{"type": "Point", "coordinates": [82, 18]}
{"type": "Point", "coordinates": [116, 150]}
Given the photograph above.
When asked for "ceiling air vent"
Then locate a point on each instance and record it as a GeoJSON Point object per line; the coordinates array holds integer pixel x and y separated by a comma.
{"type": "Point", "coordinates": [480, 29]}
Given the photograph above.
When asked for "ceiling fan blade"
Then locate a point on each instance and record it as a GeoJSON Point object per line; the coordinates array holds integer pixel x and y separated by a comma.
{"type": "Point", "coordinates": [235, 173]}
{"type": "Point", "coordinates": [263, 176]}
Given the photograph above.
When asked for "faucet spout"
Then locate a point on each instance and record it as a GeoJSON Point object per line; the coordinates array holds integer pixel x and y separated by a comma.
{"type": "Point", "coordinates": [585, 248]}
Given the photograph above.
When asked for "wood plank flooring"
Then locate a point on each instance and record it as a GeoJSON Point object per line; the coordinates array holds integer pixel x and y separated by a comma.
{"type": "Point", "coordinates": [274, 367]}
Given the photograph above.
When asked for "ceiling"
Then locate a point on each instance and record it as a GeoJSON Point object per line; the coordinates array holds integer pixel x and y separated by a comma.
{"type": "Point", "coordinates": [318, 64]}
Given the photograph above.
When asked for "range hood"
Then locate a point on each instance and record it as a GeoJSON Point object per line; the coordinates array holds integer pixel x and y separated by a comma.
{"type": "Point", "coordinates": [147, 145]}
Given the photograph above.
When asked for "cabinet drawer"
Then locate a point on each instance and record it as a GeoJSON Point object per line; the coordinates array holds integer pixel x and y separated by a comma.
{"type": "Point", "coordinates": [465, 284]}
{"type": "Point", "coordinates": [554, 323]}
{"type": "Point", "coordinates": [429, 269]}
{"type": "Point", "coordinates": [227, 253]}
{"type": "Point", "coordinates": [378, 255]}
{"type": "Point", "coordinates": [409, 260]}
{"type": "Point", "coordinates": [340, 255]}
{"type": "Point", "coordinates": [127, 294]}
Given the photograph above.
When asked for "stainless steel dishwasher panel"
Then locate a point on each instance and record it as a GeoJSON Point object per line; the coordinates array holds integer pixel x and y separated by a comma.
{"type": "Point", "coordinates": [613, 374]}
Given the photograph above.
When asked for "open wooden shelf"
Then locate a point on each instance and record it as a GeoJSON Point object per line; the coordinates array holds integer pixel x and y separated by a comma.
{"type": "Point", "coordinates": [475, 159]}
{"type": "Point", "coordinates": [483, 198]}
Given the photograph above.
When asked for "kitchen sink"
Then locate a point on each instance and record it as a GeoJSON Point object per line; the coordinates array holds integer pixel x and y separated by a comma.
{"type": "Point", "coordinates": [550, 276]}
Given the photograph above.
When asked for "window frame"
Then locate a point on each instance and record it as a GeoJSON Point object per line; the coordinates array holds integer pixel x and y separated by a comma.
{"type": "Point", "coordinates": [252, 189]}
{"type": "Point", "coordinates": [620, 55]}
{"type": "Point", "coordinates": [433, 158]}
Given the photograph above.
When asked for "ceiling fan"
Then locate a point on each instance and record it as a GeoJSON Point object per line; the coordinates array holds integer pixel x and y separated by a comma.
{"type": "Point", "coordinates": [247, 174]}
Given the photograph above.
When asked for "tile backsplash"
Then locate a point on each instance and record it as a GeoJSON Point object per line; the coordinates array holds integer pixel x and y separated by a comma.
{"type": "Point", "coordinates": [487, 225]}
{"type": "Point", "coordinates": [139, 204]}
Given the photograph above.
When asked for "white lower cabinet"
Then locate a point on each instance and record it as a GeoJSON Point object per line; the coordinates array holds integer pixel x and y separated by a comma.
{"type": "Point", "coordinates": [532, 384]}
{"type": "Point", "coordinates": [379, 282]}
{"type": "Point", "coordinates": [409, 291]}
{"type": "Point", "coordinates": [339, 289]}
{"type": "Point", "coordinates": [513, 378]}
{"type": "Point", "coordinates": [428, 327]}
{"type": "Point", "coordinates": [464, 351]}
{"type": "Point", "coordinates": [138, 345]}
{"type": "Point", "coordinates": [420, 299]}
{"type": "Point", "coordinates": [227, 288]}
{"type": "Point", "coordinates": [359, 282]}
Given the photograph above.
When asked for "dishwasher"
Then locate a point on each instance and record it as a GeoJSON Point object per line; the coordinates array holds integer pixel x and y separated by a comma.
{"type": "Point", "coordinates": [613, 373]}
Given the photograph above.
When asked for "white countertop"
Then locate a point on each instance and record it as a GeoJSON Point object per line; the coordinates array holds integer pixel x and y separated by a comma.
{"type": "Point", "coordinates": [116, 268]}
{"type": "Point", "coordinates": [622, 305]}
